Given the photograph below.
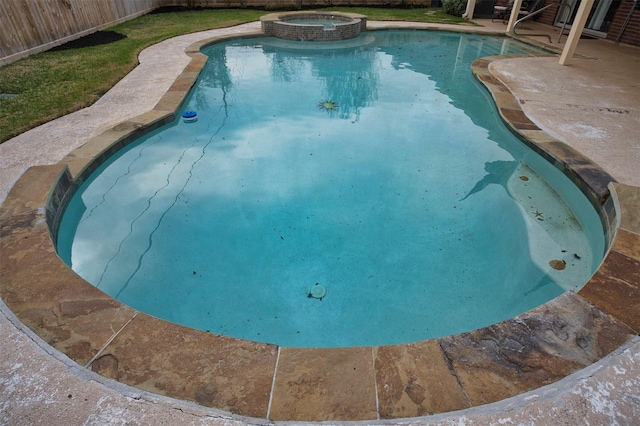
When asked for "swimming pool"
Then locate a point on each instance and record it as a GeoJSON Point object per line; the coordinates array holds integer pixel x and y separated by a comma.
{"type": "Point", "coordinates": [361, 249]}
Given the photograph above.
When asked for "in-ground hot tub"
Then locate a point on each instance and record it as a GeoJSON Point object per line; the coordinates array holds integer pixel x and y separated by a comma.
{"type": "Point", "coordinates": [313, 26]}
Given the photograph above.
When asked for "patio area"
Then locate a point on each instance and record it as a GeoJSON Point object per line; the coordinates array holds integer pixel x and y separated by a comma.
{"type": "Point", "coordinates": [592, 105]}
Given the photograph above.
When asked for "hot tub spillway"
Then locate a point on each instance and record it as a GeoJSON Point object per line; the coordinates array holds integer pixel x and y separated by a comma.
{"type": "Point", "coordinates": [292, 26]}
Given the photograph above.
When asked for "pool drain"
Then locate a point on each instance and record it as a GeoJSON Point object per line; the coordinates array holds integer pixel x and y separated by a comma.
{"type": "Point", "coordinates": [318, 291]}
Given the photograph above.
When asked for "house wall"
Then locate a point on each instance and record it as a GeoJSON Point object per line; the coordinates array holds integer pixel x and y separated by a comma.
{"type": "Point", "coordinates": [631, 34]}
{"type": "Point", "coordinates": [548, 15]}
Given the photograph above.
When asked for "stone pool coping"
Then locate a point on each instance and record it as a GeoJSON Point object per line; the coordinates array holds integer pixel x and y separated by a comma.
{"type": "Point", "coordinates": [259, 380]}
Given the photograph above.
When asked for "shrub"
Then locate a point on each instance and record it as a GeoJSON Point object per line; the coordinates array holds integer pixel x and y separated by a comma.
{"type": "Point", "coordinates": [454, 7]}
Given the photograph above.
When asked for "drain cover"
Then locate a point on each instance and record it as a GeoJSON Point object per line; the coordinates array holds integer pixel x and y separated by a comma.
{"type": "Point", "coordinates": [318, 291]}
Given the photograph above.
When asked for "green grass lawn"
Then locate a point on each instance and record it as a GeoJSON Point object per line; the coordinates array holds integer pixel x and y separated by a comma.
{"type": "Point", "coordinates": [54, 83]}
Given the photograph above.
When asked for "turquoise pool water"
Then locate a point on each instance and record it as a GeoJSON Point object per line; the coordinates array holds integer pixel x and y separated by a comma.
{"type": "Point", "coordinates": [341, 194]}
{"type": "Point", "coordinates": [326, 23]}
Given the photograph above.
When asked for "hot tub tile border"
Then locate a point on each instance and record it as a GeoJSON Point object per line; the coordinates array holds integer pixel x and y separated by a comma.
{"type": "Point", "coordinates": [43, 191]}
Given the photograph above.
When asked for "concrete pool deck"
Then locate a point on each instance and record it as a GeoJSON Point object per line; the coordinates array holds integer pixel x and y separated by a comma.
{"type": "Point", "coordinates": [41, 385]}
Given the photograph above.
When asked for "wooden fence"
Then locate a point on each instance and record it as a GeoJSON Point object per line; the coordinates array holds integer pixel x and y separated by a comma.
{"type": "Point", "coordinates": [31, 26]}
{"type": "Point", "coordinates": [292, 4]}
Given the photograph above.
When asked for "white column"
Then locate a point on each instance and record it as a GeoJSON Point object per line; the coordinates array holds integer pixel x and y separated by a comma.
{"type": "Point", "coordinates": [471, 5]}
{"type": "Point", "coordinates": [514, 16]}
{"type": "Point", "coordinates": [576, 31]}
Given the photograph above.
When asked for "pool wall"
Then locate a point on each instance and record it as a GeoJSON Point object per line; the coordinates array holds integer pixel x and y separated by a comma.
{"type": "Point", "coordinates": [265, 381]}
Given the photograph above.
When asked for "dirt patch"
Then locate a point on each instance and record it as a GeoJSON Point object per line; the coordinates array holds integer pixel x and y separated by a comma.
{"type": "Point", "coordinates": [95, 39]}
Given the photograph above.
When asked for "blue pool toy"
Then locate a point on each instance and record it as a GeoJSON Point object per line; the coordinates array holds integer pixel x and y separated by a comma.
{"type": "Point", "coordinates": [189, 116]}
